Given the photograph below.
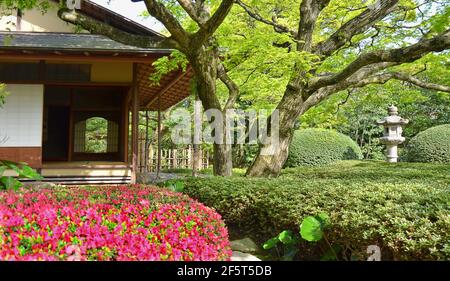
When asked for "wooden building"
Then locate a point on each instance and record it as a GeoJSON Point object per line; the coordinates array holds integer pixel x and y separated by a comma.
{"type": "Point", "coordinates": [60, 81]}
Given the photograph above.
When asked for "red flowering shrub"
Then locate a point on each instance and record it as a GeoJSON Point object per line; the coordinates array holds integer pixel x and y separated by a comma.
{"type": "Point", "coordinates": [109, 223]}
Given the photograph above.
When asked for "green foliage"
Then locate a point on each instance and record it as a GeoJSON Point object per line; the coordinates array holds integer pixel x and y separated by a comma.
{"type": "Point", "coordinates": [175, 186]}
{"type": "Point", "coordinates": [262, 69]}
{"type": "Point", "coordinates": [311, 147]}
{"type": "Point", "coordinates": [355, 114]}
{"type": "Point", "coordinates": [261, 61]}
{"type": "Point", "coordinates": [289, 241]}
{"type": "Point", "coordinates": [243, 155]}
{"type": "Point", "coordinates": [7, 7]}
{"type": "Point", "coordinates": [3, 94]}
{"type": "Point", "coordinates": [22, 170]}
{"type": "Point", "coordinates": [96, 135]}
{"type": "Point", "coordinates": [167, 64]}
{"type": "Point", "coordinates": [402, 208]}
{"type": "Point", "coordinates": [24, 4]}
{"type": "Point", "coordinates": [441, 22]}
{"type": "Point", "coordinates": [311, 229]}
{"type": "Point", "coordinates": [431, 145]}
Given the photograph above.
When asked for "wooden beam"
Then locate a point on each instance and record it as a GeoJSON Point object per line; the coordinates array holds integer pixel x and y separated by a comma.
{"type": "Point", "coordinates": [167, 87]}
{"type": "Point", "coordinates": [30, 55]}
{"type": "Point", "coordinates": [135, 127]}
{"type": "Point", "coordinates": [74, 83]}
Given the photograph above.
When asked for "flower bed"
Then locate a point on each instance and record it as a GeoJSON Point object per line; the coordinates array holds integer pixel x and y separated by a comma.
{"type": "Point", "coordinates": [109, 223]}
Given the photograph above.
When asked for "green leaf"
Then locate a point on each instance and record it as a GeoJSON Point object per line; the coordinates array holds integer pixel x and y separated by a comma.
{"type": "Point", "coordinates": [28, 172]}
{"type": "Point", "coordinates": [12, 165]}
{"type": "Point", "coordinates": [269, 244]}
{"type": "Point", "coordinates": [179, 186]}
{"type": "Point", "coordinates": [286, 237]}
{"type": "Point", "coordinates": [2, 170]}
{"type": "Point", "coordinates": [22, 250]}
{"type": "Point", "coordinates": [311, 229]}
{"type": "Point", "coordinates": [324, 219]}
{"type": "Point", "coordinates": [10, 183]}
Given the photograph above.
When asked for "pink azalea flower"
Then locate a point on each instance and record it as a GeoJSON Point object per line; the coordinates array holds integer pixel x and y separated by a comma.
{"type": "Point", "coordinates": [109, 223]}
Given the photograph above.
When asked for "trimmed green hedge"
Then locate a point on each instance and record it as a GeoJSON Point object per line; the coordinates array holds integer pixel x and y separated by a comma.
{"type": "Point", "coordinates": [312, 147]}
{"type": "Point", "coordinates": [431, 145]}
{"type": "Point", "coordinates": [404, 208]}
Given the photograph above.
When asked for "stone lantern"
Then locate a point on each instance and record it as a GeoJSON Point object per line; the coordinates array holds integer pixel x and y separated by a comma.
{"type": "Point", "coordinates": [392, 136]}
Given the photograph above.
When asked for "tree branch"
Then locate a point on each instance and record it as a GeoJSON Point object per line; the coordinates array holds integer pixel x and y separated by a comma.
{"type": "Point", "coordinates": [277, 27]}
{"type": "Point", "coordinates": [210, 26]}
{"type": "Point", "coordinates": [161, 13]}
{"type": "Point", "coordinates": [355, 26]}
{"type": "Point", "coordinates": [385, 77]}
{"type": "Point", "coordinates": [401, 55]}
{"type": "Point", "coordinates": [97, 27]}
{"type": "Point", "coordinates": [191, 10]}
{"type": "Point", "coordinates": [233, 88]}
{"type": "Point", "coordinates": [361, 74]}
{"type": "Point", "coordinates": [309, 12]}
{"type": "Point", "coordinates": [363, 78]}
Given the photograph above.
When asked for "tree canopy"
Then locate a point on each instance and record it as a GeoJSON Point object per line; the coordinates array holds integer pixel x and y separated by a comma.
{"type": "Point", "coordinates": [309, 59]}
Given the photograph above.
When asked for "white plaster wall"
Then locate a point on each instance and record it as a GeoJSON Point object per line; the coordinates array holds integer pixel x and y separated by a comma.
{"type": "Point", "coordinates": [21, 116]}
{"type": "Point", "coordinates": [35, 21]}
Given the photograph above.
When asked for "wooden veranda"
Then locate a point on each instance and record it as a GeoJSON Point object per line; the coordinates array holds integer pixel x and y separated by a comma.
{"type": "Point", "coordinates": [102, 66]}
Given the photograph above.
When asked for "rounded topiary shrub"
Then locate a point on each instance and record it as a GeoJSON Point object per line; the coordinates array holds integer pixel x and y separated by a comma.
{"type": "Point", "coordinates": [312, 147]}
{"type": "Point", "coordinates": [112, 223]}
{"type": "Point", "coordinates": [431, 145]}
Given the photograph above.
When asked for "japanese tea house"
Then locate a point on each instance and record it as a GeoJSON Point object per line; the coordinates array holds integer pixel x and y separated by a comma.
{"type": "Point", "coordinates": [60, 79]}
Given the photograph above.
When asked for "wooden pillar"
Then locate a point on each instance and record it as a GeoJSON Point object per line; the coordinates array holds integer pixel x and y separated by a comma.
{"type": "Point", "coordinates": [19, 20]}
{"type": "Point", "coordinates": [158, 165]}
{"type": "Point", "coordinates": [196, 158]}
{"type": "Point", "coordinates": [175, 158]}
{"type": "Point", "coordinates": [135, 126]}
{"type": "Point", "coordinates": [146, 142]}
{"type": "Point", "coordinates": [151, 167]}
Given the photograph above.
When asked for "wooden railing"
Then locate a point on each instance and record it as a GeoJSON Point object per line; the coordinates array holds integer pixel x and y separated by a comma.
{"type": "Point", "coordinates": [170, 158]}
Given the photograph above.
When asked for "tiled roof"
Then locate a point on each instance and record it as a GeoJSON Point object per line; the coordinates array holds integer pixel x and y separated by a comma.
{"type": "Point", "coordinates": [68, 42]}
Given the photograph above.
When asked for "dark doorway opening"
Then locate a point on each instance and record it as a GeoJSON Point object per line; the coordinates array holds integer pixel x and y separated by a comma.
{"type": "Point", "coordinates": [84, 123]}
{"type": "Point", "coordinates": [55, 145]}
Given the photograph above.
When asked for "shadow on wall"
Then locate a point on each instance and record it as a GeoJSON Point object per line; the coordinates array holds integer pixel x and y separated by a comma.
{"type": "Point", "coordinates": [3, 138]}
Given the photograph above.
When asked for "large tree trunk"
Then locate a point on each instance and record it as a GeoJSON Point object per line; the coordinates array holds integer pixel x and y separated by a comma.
{"type": "Point", "coordinates": [270, 165]}
{"type": "Point", "coordinates": [270, 160]}
{"type": "Point", "coordinates": [223, 163]}
{"type": "Point", "coordinates": [205, 63]}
